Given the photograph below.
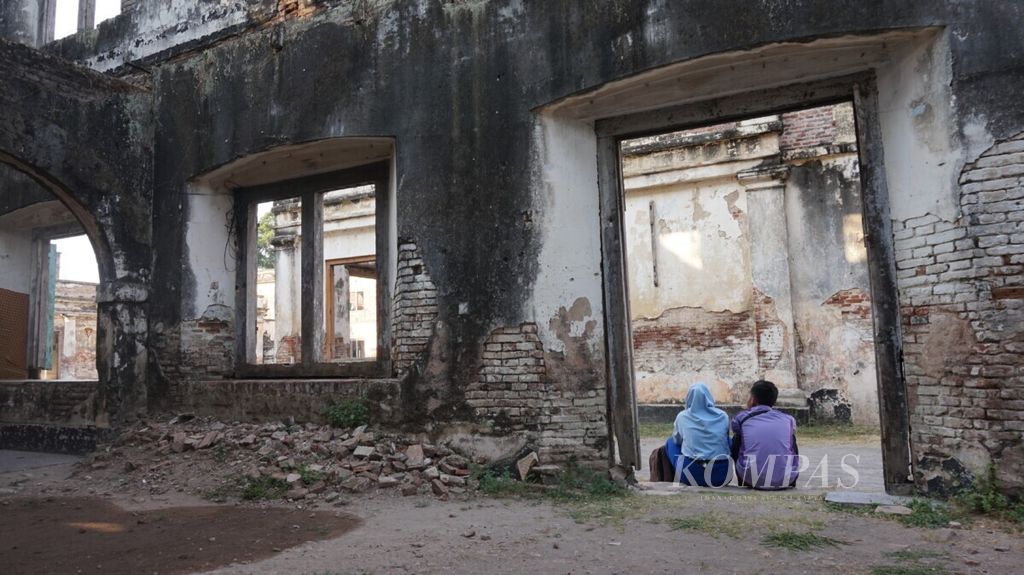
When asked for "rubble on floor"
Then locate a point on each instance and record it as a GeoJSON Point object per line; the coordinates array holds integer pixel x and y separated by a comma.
{"type": "Point", "coordinates": [272, 460]}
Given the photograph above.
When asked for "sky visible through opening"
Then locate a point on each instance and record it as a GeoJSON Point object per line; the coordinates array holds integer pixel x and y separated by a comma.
{"type": "Point", "coordinates": [77, 260]}
{"type": "Point", "coordinates": [66, 17]}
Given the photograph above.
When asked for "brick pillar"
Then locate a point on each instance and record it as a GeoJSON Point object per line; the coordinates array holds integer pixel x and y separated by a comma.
{"type": "Point", "coordinates": [121, 351]}
{"type": "Point", "coordinates": [772, 301]}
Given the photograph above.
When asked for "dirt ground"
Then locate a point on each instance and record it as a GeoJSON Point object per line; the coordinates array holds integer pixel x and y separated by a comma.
{"type": "Point", "coordinates": [384, 532]}
{"type": "Point", "coordinates": [90, 535]}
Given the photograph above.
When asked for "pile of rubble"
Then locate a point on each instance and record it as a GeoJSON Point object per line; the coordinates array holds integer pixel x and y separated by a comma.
{"type": "Point", "coordinates": [294, 461]}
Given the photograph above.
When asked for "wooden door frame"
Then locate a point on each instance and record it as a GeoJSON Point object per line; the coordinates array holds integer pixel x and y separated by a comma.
{"type": "Point", "coordinates": [861, 89]}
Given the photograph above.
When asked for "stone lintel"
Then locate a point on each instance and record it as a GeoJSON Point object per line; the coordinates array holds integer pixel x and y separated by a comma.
{"type": "Point", "coordinates": [764, 177]}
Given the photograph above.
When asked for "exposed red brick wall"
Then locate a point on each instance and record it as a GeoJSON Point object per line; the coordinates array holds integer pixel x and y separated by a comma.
{"type": "Point", "coordinates": [964, 347]}
{"type": "Point", "coordinates": [415, 308]}
{"type": "Point", "coordinates": [514, 394]}
{"type": "Point", "coordinates": [770, 332]}
{"type": "Point", "coordinates": [812, 127]}
{"type": "Point", "coordinates": [853, 302]}
{"type": "Point", "coordinates": [687, 343]}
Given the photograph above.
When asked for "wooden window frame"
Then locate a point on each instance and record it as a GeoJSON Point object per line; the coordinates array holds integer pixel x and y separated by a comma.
{"type": "Point", "coordinates": [328, 287]}
{"type": "Point", "coordinates": [311, 190]}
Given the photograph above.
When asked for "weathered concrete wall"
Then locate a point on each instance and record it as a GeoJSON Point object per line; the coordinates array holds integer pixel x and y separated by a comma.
{"type": "Point", "coordinates": [86, 138]}
{"type": "Point", "coordinates": [691, 289]}
{"type": "Point", "coordinates": [457, 85]}
{"type": "Point", "coordinates": [21, 21]}
{"type": "Point", "coordinates": [159, 29]}
{"type": "Point", "coordinates": [831, 291]}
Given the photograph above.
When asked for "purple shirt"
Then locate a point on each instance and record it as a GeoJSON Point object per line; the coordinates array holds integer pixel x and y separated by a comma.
{"type": "Point", "coordinates": [768, 457]}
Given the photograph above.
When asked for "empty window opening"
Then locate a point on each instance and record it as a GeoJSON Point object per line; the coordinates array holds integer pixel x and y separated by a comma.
{"type": "Point", "coordinates": [745, 260]}
{"type": "Point", "coordinates": [318, 282]}
{"type": "Point", "coordinates": [279, 282]}
{"type": "Point", "coordinates": [66, 19]}
{"type": "Point", "coordinates": [349, 237]}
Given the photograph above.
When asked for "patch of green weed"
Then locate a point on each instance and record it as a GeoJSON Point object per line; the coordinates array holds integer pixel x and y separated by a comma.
{"type": "Point", "coordinates": [711, 524]}
{"type": "Point", "coordinates": [587, 494]}
{"type": "Point", "coordinates": [795, 541]}
{"type": "Point", "coordinates": [309, 477]}
{"type": "Point", "coordinates": [577, 483]}
{"type": "Point", "coordinates": [985, 497]}
{"type": "Point", "coordinates": [263, 487]}
{"type": "Point", "coordinates": [658, 430]}
{"type": "Point", "coordinates": [348, 413]}
{"type": "Point", "coordinates": [908, 570]}
{"type": "Point", "coordinates": [836, 432]}
{"type": "Point", "coordinates": [221, 453]}
{"type": "Point", "coordinates": [926, 514]}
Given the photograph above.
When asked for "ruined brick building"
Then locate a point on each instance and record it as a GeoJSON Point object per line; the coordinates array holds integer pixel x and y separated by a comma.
{"type": "Point", "coordinates": [490, 133]}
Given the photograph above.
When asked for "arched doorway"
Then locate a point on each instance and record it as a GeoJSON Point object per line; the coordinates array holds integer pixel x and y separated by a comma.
{"type": "Point", "coordinates": [52, 353]}
{"type": "Point", "coordinates": [49, 277]}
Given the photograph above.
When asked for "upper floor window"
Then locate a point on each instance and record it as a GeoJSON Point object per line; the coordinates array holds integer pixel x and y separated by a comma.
{"type": "Point", "coordinates": [72, 16]}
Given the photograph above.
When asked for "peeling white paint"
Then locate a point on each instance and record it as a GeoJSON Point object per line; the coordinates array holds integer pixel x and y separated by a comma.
{"type": "Point", "coordinates": [569, 223]}
{"type": "Point", "coordinates": [922, 153]}
{"type": "Point", "coordinates": [211, 249]}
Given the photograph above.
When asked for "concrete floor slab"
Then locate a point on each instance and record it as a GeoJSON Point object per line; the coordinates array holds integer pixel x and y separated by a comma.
{"type": "Point", "coordinates": [14, 461]}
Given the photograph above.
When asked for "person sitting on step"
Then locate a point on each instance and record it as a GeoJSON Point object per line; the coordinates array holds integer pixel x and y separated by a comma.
{"type": "Point", "coordinates": [697, 453]}
{"type": "Point", "coordinates": [764, 442]}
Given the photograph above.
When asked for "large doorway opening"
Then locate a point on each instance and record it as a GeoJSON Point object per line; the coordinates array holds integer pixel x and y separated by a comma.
{"type": "Point", "coordinates": [739, 254]}
{"type": "Point", "coordinates": [745, 260]}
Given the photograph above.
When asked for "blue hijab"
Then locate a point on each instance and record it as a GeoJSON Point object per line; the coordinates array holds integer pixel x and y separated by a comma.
{"type": "Point", "coordinates": [702, 428]}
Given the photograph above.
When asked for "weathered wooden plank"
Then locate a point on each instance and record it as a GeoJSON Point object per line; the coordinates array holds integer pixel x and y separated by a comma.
{"type": "Point", "coordinates": [312, 278]}
{"type": "Point", "coordinates": [618, 341]}
{"type": "Point", "coordinates": [892, 389]}
{"type": "Point", "coordinates": [382, 203]}
{"type": "Point", "coordinates": [245, 281]}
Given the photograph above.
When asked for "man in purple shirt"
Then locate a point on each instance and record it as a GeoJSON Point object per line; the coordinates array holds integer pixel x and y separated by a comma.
{"type": "Point", "coordinates": [764, 442]}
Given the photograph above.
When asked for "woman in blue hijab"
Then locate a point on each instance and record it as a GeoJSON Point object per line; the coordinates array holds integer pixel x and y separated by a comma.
{"type": "Point", "coordinates": [699, 446]}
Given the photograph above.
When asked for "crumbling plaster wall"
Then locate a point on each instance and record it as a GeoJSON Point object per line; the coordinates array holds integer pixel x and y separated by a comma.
{"type": "Point", "coordinates": [17, 191]}
{"type": "Point", "coordinates": [700, 322]}
{"type": "Point", "coordinates": [482, 287]}
{"type": "Point", "coordinates": [831, 289]}
{"type": "Point", "coordinates": [16, 260]}
{"type": "Point", "coordinates": [697, 323]}
{"type": "Point", "coordinates": [86, 138]}
{"type": "Point", "coordinates": [456, 84]}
